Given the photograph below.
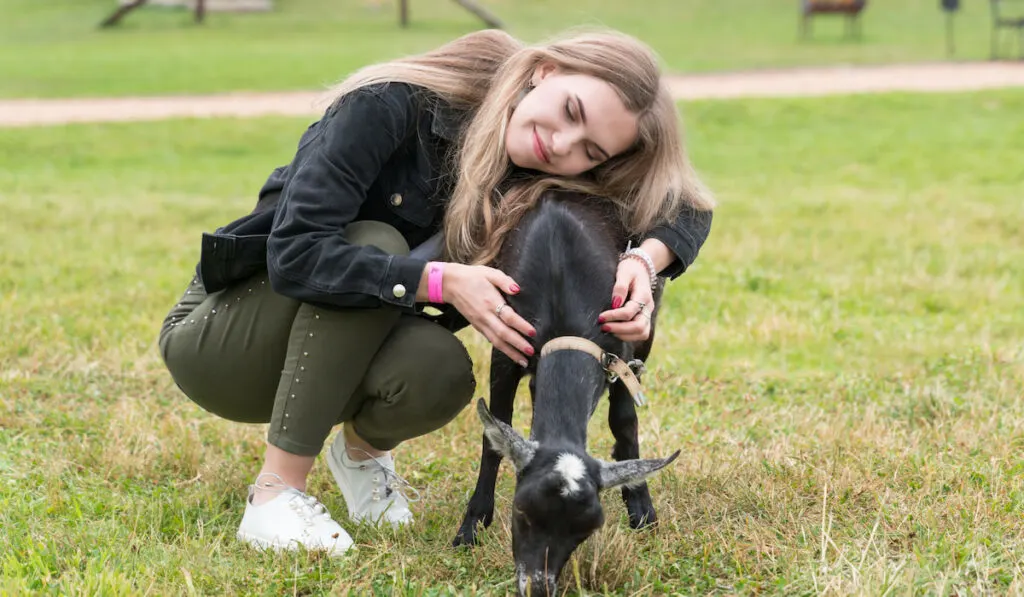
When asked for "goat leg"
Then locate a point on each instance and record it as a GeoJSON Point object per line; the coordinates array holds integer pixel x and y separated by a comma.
{"type": "Point", "coordinates": [505, 377]}
{"type": "Point", "coordinates": [624, 426]}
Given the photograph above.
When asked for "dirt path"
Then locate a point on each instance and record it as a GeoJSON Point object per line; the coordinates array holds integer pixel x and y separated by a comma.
{"type": "Point", "coordinates": [768, 83]}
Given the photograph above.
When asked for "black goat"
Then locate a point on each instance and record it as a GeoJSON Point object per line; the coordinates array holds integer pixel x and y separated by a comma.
{"type": "Point", "coordinates": [564, 255]}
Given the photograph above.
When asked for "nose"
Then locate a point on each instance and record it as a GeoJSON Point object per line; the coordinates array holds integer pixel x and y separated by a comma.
{"type": "Point", "coordinates": [563, 141]}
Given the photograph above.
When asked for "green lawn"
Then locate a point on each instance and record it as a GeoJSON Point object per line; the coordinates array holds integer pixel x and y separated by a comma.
{"type": "Point", "coordinates": [842, 369]}
{"type": "Point", "coordinates": [53, 48]}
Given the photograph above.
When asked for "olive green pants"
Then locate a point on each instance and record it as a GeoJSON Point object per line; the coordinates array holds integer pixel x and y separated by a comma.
{"type": "Point", "coordinates": [251, 355]}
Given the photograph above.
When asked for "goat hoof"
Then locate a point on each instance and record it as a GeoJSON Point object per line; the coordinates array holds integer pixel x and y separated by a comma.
{"type": "Point", "coordinates": [639, 507]}
{"type": "Point", "coordinates": [643, 520]}
{"type": "Point", "coordinates": [465, 538]}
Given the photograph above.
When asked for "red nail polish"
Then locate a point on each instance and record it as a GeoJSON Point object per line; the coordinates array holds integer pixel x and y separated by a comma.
{"type": "Point", "coordinates": [616, 302]}
{"type": "Point", "coordinates": [605, 328]}
{"type": "Point", "coordinates": [533, 333]}
{"type": "Point", "coordinates": [529, 351]}
{"type": "Point", "coordinates": [600, 319]}
{"type": "Point", "coordinates": [515, 288]}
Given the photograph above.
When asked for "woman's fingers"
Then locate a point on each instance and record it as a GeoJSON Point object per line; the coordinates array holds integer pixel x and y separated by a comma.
{"type": "Point", "coordinates": [510, 318]}
{"type": "Point", "coordinates": [509, 342]}
{"type": "Point", "coordinates": [630, 334]}
{"type": "Point", "coordinates": [510, 328]}
{"type": "Point", "coordinates": [509, 351]}
{"type": "Point", "coordinates": [639, 298]}
{"type": "Point", "coordinates": [504, 282]}
{"type": "Point", "coordinates": [635, 329]}
{"type": "Point", "coordinates": [627, 312]}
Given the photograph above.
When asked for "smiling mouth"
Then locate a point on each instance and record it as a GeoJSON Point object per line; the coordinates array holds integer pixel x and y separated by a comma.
{"type": "Point", "coordinates": [539, 149]}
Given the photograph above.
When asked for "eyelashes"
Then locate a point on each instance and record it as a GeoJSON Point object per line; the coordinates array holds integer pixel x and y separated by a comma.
{"type": "Point", "coordinates": [572, 118]}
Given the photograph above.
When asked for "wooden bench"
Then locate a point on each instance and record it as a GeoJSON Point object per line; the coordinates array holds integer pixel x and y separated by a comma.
{"type": "Point", "coordinates": [851, 9]}
{"type": "Point", "coordinates": [126, 6]}
{"type": "Point", "coordinates": [1007, 14]}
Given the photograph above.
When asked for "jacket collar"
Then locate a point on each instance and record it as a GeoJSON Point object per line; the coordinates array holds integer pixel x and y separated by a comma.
{"type": "Point", "coordinates": [448, 122]}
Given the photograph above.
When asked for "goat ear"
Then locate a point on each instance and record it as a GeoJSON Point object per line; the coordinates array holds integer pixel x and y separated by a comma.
{"type": "Point", "coordinates": [632, 472]}
{"type": "Point", "coordinates": [504, 439]}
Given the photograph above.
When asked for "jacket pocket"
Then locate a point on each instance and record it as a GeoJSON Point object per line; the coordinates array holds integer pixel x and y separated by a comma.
{"type": "Point", "coordinates": [410, 203]}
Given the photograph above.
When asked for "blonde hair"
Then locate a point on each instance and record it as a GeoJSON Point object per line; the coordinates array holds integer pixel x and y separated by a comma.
{"type": "Point", "coordinates": [486, 72]}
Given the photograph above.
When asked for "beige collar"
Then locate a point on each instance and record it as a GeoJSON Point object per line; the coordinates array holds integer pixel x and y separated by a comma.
{"type": "Point", "coordinates": [617, 368]}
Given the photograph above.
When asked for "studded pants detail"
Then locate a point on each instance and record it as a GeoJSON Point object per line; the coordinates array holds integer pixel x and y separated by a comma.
{"type": "Point", "coordinates": [251, 355]}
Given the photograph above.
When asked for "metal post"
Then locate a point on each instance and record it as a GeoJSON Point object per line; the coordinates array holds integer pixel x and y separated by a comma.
{"type": "Point", "coordinates": [950, 49]}
{"type": "Point", "coordinates": [950, 6]}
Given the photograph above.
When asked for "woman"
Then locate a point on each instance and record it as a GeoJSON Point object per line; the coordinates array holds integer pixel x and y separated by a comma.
{"type": "Point", "coordinates": [307, 312]}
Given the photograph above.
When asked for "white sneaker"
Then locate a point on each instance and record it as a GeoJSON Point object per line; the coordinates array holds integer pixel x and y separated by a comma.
{"type": "Point", "coordinates": [372, 489]}
{"type": "Point", "coordinates": [290, 520]}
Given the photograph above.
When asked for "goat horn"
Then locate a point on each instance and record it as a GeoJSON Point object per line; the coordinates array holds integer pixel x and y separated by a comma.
{"type": "Point", "coordinates": [632, 472]}
{"type": "Point", "coordinates": [504, 439]}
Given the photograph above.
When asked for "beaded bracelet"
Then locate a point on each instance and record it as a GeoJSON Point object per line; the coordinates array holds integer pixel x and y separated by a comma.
{"type": "Point", "coordinates": [643, 257]}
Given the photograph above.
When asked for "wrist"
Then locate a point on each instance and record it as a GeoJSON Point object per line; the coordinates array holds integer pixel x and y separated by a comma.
{"type": "Point", "coordinates": [435, 282]}
{"type": "Point", "coordinates": [639, 255]}
{"type": "Point", "coordinates": [659, 252]}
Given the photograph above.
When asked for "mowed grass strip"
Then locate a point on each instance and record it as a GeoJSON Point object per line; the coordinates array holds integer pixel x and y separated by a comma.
{"type": "Point", "coordinates": [842, 369]}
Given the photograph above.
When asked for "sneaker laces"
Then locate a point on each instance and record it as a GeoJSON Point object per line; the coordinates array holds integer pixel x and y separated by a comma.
{"type": "Point", "coordinates": [310, 507]}
{"type": "Point", "coordinates": [392, 480]}
{"type": "Point", "coordinates": [313, 505]}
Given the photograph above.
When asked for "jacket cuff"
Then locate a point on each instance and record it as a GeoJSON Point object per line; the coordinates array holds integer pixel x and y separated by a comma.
{"type": "Point", "coordinates": [681, 250]}
{"type": "Point", "coordinates": [401, 281]}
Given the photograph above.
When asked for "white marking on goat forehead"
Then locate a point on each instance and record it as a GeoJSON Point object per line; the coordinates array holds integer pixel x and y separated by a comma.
{"type": "Point", "coordinates": [572, 469]}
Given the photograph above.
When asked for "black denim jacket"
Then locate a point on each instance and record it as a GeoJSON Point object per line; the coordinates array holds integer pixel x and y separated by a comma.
{"type": "Point", "coordinates": [379, 154]}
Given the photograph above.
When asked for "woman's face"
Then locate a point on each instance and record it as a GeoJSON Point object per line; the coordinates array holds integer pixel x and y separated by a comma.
{"type": "Point", "coordinates": [568, 124]}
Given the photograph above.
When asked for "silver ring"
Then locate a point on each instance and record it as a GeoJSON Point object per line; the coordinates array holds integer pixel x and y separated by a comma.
{"type": "Point", "coordinates": [644, 313]}
{"type": "Point", "coordinates": [498, 310]}
{"type": "Point", "coordinates": [642, 305]}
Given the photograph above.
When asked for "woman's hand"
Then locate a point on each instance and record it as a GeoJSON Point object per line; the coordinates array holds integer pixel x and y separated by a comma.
{"type": "Point", "coordinates": [476, 291]}
{"type": "Point", "coordinates": [632, 303]}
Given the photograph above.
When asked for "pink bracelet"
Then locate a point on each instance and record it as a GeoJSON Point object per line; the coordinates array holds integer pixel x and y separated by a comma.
{"type": "Point", "coordinates": [434, 277]}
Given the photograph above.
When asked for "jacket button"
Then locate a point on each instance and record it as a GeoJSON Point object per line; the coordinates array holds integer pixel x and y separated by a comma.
{"type": "Point", "coordinates": [398, 291]}
{"type": "Point", "coordinates": [396, 199]}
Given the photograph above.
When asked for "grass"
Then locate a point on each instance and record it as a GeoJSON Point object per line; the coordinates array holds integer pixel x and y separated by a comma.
{"type": "Point", "coordinates": [53, 48]}
{"type": "Point", "coordinates": [842, 368]}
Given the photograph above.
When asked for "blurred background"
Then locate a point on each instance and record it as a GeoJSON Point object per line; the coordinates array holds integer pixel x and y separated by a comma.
{"type": "Point", "coordinates": [842, 367]}
{"type": "Point", "coordinates": [55, 49]}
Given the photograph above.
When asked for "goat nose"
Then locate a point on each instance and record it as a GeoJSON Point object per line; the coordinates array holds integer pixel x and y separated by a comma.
{"type": "Point", "coordinates": [524, 584]}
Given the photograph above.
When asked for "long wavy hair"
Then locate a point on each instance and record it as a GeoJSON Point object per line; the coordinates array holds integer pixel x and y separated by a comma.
{"type": "Point", "coordinates": [484, 73]}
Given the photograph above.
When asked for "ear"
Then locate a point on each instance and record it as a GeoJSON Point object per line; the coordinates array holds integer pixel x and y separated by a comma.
{"type": "Point", "coordinates": [632, 472]}
{"type": "Point", "coordinates": [543, 71]}
{"type": "Point", "coordinates": [504, 439]}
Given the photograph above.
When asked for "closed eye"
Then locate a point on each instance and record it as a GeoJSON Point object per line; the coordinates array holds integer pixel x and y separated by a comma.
{"type": "Point", "coordinates": [574, 113]}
